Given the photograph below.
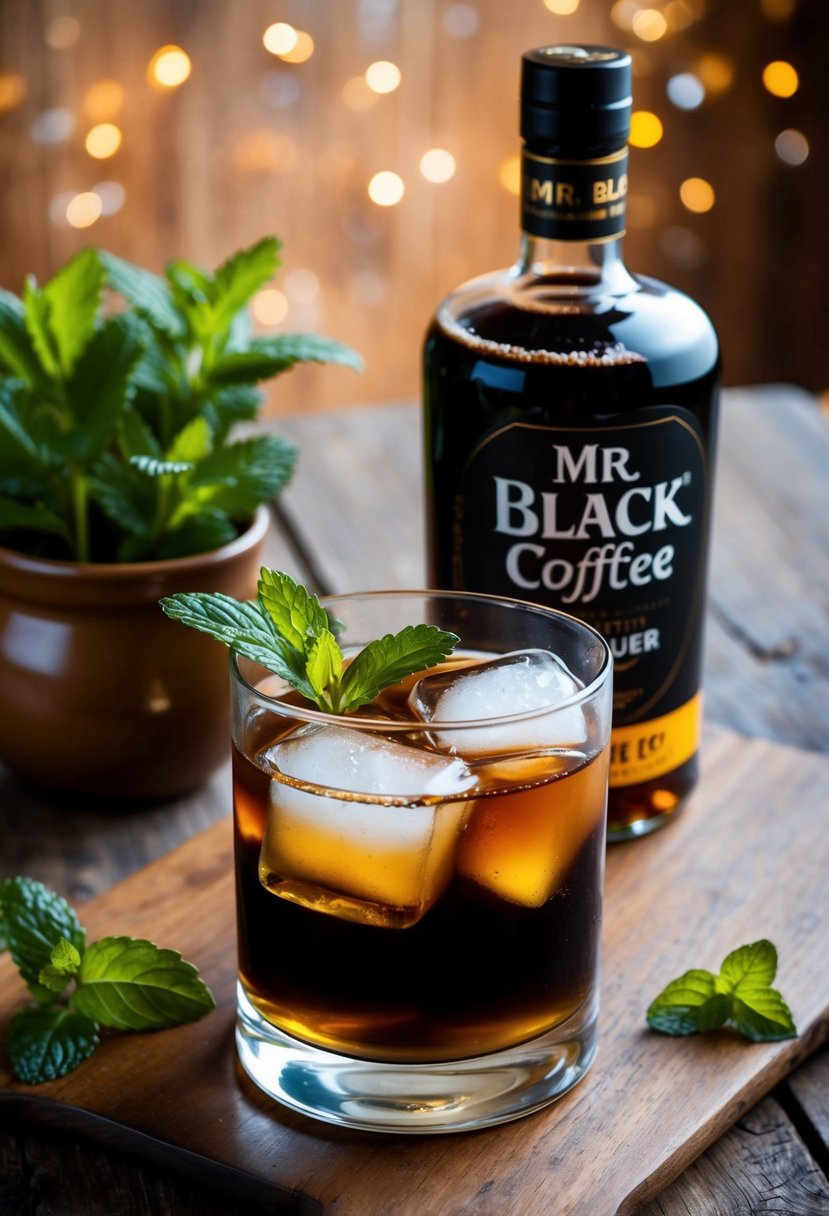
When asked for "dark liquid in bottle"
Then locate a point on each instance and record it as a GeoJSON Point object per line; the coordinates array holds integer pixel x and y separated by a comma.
{"type": "Point", "coordinates": [512, 379]}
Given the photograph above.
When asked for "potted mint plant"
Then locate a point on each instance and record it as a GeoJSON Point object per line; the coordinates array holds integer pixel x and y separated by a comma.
{"type": "Point", "coordinates": [121, 481]}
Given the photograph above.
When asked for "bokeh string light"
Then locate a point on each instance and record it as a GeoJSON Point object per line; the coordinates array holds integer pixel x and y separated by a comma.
{"type": "Point", "coordinates": [562, 8]}
{"type": "Point", "coordinates": [269, 307]}
{"type": "Point", "coordinates": [780, 78]}
{"type": "Point", "coordinates": [386, 188]}
{"type": "Point", "coordinates": [697, 194]}
{"type": "Point", "coordinates": [686, 91]}
{"type": "Point", "coordinates": [302, 50]}
{"type": "Point", "coordinates": [649, 24]}
{"type": "Point", "coordinates": [84, 209]}
{"type": "Point", "coordinates": [12, 91]}
{"type": "Point", "coordinates": [103, 140]}
{"type": "Point", "coordinates": [715, 72]}
{"type": "Point", "coordinates": [646, 129]}
{"type": "Point", "coordinates": [103, 100]}
{"type": "Point", "coordinates": [383, 76]}
{"type": "Point", "coordinates": [279, 38]}
{"type": "Point", "coordinates": [169, 67]}
{"type": "Point", "coordinates": [792, 147]}
{"type": "Point", "coordinates": [437, 165]}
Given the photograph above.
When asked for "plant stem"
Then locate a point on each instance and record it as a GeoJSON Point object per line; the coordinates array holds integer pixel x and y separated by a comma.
{"type": "Point", "coordinates": [81, 513]}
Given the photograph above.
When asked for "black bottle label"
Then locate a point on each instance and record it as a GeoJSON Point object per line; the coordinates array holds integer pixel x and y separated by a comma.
{"type": "Point", "coordinates": [574, 200]}
{"type": "Point", "coordinates": [609, 525]}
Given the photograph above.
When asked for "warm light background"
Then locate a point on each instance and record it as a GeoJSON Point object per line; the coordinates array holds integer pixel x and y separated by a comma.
{"type": "Point", "coordinates": [106, 138]}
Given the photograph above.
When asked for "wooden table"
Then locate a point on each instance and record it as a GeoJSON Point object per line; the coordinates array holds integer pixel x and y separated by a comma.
{"type": "Point", "coordinates": [352, 519]}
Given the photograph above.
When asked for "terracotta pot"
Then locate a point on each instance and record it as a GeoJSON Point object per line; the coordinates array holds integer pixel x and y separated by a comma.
{"type": "Point", "coordinates": [102, 694]}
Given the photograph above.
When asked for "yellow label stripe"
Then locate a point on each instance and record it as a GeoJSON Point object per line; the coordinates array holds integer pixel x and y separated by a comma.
{"type": "Point", "coordinates": [650, 749]}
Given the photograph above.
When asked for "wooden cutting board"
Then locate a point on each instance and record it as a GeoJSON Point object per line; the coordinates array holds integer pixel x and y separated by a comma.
{"type": "Point", "coordinates": [747, 859]}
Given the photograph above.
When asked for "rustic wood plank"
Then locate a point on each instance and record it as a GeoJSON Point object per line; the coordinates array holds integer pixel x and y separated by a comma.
{"type": "Point", "coordinates": [709, 884]}
{"type": "Point", "coordinates": [766, 661]}
{"type": "Point", "coordinates": [809, 1090]}
{"type": "Point", "coordinates": [356, 497]}
{"type": "Point", "coordinates": [758, 1168]}
{"type": "Point", "coordinates": [55, 1175]}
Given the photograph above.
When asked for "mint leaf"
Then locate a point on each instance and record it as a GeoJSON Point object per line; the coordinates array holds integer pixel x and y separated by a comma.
{"type": "Point", "coordinates": [297, 615]}
{"type": "Point", "coordinates": [135, 437]}
{"type": "Point", "coordinates": [17, 442]}
{"type": "Point", "coordinates": [197, 533]}
{"type": "Point", "coordinates": [324, 667]}
{"type": "Point", "coordinates": [48, 1043]}
{"type": "Point", "coordinates": [238, 477]}
{"type": "Point", "coordinates": [124, 494]}
{"type": "Point", "coordinates": [33, 919]}
{"type": "Point", "coordinates": [392, 658]}
{"type": "Point", "coordinates": [100, 387]}
{"type": "Point", "coordinates": [36, 312]}
{"type": "Point", "coordinates": [748, 968]}
{"type": "Point", "coordinates": [226, 406]}
{"type": "Point", "coordinates": [132, 984]}
{"type": "Point", "coordinates": [307, 348]}
{"type": "Point", "coordinates": [758, 1011]}
{"type": "Point", "coordinates": [246, 627]}
{"type": "Point", "coordinates": [676, 1009]}
{"type": "Point", "coordinates": [65, 961]}
{"type": "Point", "coordinates": [73, 297]}
{"type": "Point", "coordinates": [148, 294]}
{"type": "Point", "coordinates": [266, 357]}
{"type": "Point", "coordinates": [193, 442]}
{"type": "Point", "coordinates": [763, 1018]}
{"type": "Point", "coordinates": [237, 280]}
{"type": "Point", "coordinates": [740, 996]}
{"type": "Point", "coordinates": [17, 354]}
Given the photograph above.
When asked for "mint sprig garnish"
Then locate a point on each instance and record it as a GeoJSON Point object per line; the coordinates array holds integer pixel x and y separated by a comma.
{"type": "Point", "coordinates": [122, 982]}
{"type": "Point", "coordinates": [288, 632]}
{"type": "Point", "coordinates": [740, 996]}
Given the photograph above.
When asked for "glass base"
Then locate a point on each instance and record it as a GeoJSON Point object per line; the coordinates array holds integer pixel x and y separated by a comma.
{"type": "Point", "coordinates": [450, 1096]}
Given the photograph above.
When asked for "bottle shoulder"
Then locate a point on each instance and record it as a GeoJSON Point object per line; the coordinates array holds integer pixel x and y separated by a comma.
{"type": "Point", "coordinates": [575, 316]}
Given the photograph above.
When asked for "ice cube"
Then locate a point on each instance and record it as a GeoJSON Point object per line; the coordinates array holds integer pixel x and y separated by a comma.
{"type": "Point", "coordinates": [521, 846]}
{"type": "Point", "coordinates": [518, 682]}
{"type": "Point", "coordinates": [362, 860]}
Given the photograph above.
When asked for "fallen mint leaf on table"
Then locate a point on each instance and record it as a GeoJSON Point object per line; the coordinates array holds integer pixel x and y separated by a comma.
{"type": "Point", "coordinates": [33, 919]}
{"type": "Point", "coordinates": [289, 632]}
{"type": "Point", "coordinates": [131, 984]}
{"type": "Point", "coordinates": [123, 982]}
{"type": "Point", "coordinates": [65, 961]}
{"type": "Point", "coordinates": [740, 996]}
{"type": "Point", "coordinates": [48, 1043]}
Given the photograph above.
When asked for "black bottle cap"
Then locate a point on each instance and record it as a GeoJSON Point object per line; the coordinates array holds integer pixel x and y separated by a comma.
{"type": "Point", "coordinates": [576, 100]}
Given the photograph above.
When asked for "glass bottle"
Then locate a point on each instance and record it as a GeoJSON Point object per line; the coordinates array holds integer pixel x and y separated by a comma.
{"type": "Point", "coordinates": [570, 416]}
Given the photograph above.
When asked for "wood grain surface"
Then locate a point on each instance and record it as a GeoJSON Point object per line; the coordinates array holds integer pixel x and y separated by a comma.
{"type": "Point", "coordinates": [746, 859]}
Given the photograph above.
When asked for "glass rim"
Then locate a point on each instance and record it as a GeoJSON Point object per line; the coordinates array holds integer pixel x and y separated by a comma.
{"type": "Point", "coordinates": [358, 722]}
